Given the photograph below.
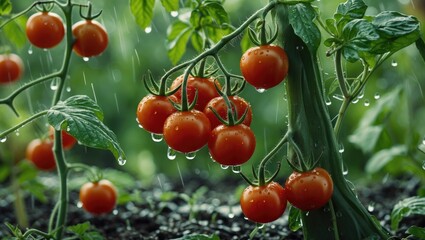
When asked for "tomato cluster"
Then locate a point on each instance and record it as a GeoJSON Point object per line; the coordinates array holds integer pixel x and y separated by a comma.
{"type": "Point", "coordinates": [46, 30]}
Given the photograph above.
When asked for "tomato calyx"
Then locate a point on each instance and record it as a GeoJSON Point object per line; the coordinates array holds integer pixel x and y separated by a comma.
{"type": "Point", "coordinates": [299, 162]}
{"type": "Point", "coordinates": [44, 7]}
{"type": "Point", "coordinates": [157, 89]}
{"type": "Point", "coordinates": [260, 36]}
{"type": "Point", "coordinates": [89, 16]}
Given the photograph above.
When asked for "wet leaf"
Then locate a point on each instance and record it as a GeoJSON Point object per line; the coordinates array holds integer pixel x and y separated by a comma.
{"type": "Point", "coordinates": [405, 208]}
{"type": "Point", "coordinates": [301, 18]}
{"type": "Point", "coordinates": [170, 5]}
{"type": "Point", "coordinates": [142, 11]}
{"type": "Point", "coordinates": [178, 35]}
{"type": "Point", "coordinates": [5, 7]}
{"type": "Point", "coordinates": [15, 32]}
{"type": "Point", "coordinates": [418, 232]}
{"type": "Point", "coordinates": [294, 219]}
{"type": "Point", "coordinates": [383, 157]}
{"type": "Point", "coordinates": [82, 118]}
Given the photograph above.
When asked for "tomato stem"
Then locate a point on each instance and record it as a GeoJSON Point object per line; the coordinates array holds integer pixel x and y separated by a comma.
{"type": "Point", "coordinates": [23, 123]}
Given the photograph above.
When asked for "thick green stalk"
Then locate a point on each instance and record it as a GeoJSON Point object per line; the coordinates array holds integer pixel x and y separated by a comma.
{"type": "Point", "coordinates": [313, 133]}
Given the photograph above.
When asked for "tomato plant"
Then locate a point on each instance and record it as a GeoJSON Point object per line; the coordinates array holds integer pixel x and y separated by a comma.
{"type": "Point", "coordinates": [68, 141]}
{"type": "Point", "coordinates": [263, 204]}
{"type": "Point", "coordinates": [91, 38]}
{"type": "Point", "coordinates": [98, 197]}
{"type": "Point", "coordinates": [309, 190]}
{"type": "Point", "coordinates": [231, 145]}
{"type": "Point", "coordinates": [240, 105]}
{"type": "Point", "coordinates": [204, 86]}
{"type": "Point", "coordinates": [45, 29]}
{"type": "Point", "coordinates": [152, 112]}
{"type": "Point", "coordinates": [187, 131]}
{"type": "Point", "coordinates": [40, 153]}
{"type": "Point", "coordinates": [264, 66]}
{"type": "Point", "coordinates": [11, 68]}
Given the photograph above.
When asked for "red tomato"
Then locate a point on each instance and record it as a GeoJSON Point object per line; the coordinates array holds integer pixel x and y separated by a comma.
{"type": "Point", "coordinates": [204, 86]}
{"type": "Point", "coordinates": [219, 105]}
{"type": "Point", "coordinates": [263, 204]}
{"type": "Point", "coordinates": [98, 197]}
{"type": "Point", "coordinates": [91, 38]}
{"type": "Point", "coordinates": [45, 29]}
{"type": "Point", "coordinates": [40, 153]}
{"type": "Point", "coordinates": [231, 145]}
{"type": "Point", "coordinates": [152, 112]}
{"type": "Point", "coordinates": [187, 131]}
{"type": "Point", "coordinates": [11, 68]}
{"type": "Point", "coordinates": [68, 141]}
{"type": "Point", "coordinates": [264, 66]}
{"type": "Point", "coordinates": [309, 190]}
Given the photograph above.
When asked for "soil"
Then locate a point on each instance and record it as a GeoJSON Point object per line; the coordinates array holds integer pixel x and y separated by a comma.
{"type": "Point", "coordinates": [208, 210]}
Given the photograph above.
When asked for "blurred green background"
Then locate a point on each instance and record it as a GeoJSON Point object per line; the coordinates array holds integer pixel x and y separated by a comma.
{"type": "Point", "coordinates": [114, 81]}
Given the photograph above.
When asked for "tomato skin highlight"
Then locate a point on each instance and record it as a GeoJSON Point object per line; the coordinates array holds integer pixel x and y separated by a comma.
{"type": "Point", "coordinates": [204, 86]}
{"type": "Point", "coordinates": [263, 204]}
{"type": "Point", "coordinates": [152, 112]}
{"type": "Point", "coordinates": [231, 145]}
{"type": "Point", "coordinates": [309, 190]}
{"type": "Point", "coordinates": [45, 29]}
{"type": "Point", "coordinates": [91, 38]}
{"type": "Point", "coordinates": [40, 153]}
{"type": "Point", "coordinates": [68, 141]}
{"type": "Point", "coordinates": [264, 66]}
{"type": "Point", "coordinates": [187, 131]}
{"type": "Point", "coordinates": [219, 105]}
{"type": "Point", "coordinates": [98, 197]}
{"type": "Point", "coordinates": [11, 68]}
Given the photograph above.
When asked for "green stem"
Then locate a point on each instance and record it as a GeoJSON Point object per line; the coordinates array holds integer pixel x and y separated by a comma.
{"type": "Point", "coordinates": [341, 113]}
{"type": "Point", "coordinates": [340, 74]}
{"type": "Point", "coordinates": [31, 231]}
{"type": "Point", "coordinates": [63, 189]}
{"type": "Point", "coordinates": [23, 123]}
{"type": "Point", "coordinates": [29, 8]}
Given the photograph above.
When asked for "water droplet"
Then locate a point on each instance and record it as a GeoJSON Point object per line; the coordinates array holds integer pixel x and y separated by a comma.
{"type": "Point", "coordinates": [328, 101]}
{"type": "Point", "coordinates": [68, 129]}
{"type": "Point", "coordinates": [344, 170]}
{"type": "Point", "coordinates": [30, 50]}
{"type": "Point", "coordinates": [377, 96]}
{"type": "Point", "coordinates": [86, 59]}
{"type": "Point", "coordinates": [371, 207]}
{"type": "Point", "coordinates": [423, 141]}
{"type": "Point", "coordinates": [148, 29]}
{"type": "Point", "coordinates": [366, 103]}
{"type": "Point", "coordinates": [236, 169]}
{"type": "Point", "coordinates": [115, 212]}
{"type": "Point", "coordinates": [54, 84]}
{"type": "Point", "coordinates": [338, 214]}
{"type": "Point", "coordinates": [423, 165]}
{"type": "Point", "coordinates": [121, 161]}
{"type": "Point", "coordinates": [307, 213]}
{"type": "Point", "coordinates": [361, 94]}
{"type": "Point", "coordinates": [155, 137]}
{"type": "Point", "coordinates": [224, 166]}
{"type": "Point", "coordinates": [231, 215]}
{"type": "Point", "coordinates": [190, 155]}
{"type": "Point", "coordinates": [260, 90]}
{"type": "Point", "coordinates": [2, 140]}
{"type": "Point", "coordinates": [338, 97]}
{"type": "Point", "coordinates": [140, 126]}
{"type": "Point", "coordinates": [394, 63]}
{"type": "Point", "coordinates": [17, 132]}
{"type": "Point", "coordinates": [299, 48]}
{"type": "Point", "coordinates": [174, 13]}
{"type": "Point", "coordinates": [341, 148]}
{"type": "Point", "coordinates": [171, 154]}
{"type": "Point", "coordinates": [356, 100]}
{"type": "Point", "coordinates": [68, 89]}
{"type": "Point", "coordinates": [260, 226]}
{"type": "Point", "coordinates": [79, 204]}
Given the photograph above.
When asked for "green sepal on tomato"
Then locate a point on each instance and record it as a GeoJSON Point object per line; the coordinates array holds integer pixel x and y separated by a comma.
{"type": "Point", "coordinates": [309, 190]}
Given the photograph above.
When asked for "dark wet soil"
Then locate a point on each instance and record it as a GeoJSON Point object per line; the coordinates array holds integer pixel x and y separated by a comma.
{"type": "Point", "coordinates": [165, 211]}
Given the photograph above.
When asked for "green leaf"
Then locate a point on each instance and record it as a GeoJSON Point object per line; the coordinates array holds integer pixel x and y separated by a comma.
{"type": "Point", "coordinates": [366, 138]}
{"type": "Point", "coordinates": [15, 32]}
{"type": "Point", "coordinates": [383, 157]}
{"type": "Point", "coordinates": [246, 41]}
{"type": "Point", "coordinates": [79, 229]}
{"type": "Point", "coordinates": [294, 219]}
{"type": "Point", "coordinates": [405, 208]}
{"type": "Point", "coordinates": [83, 231]}
{"type": "Point", "coordinates": [197, 41]}
{"type": "Point", "coordinates": [420, 45]}
{"type": "Point", "coordinates": [353, 9]}
{"type": "Point", "coordinates": [5, 7]}
{"type": "Point", "coordinates": [331, 26]}
{"type": "Point", "coordinates": [217, 12]}
{"type": "Point", "coordinates": [37, 189]}
{"type": "Point", "coordinates": [199, 237]}
{"type": "Point", "coordinates": [396, 31]}
{"type": "Point", "coordinates": [142, 11]}
{"type": "Point", "coordinates": [178, 36]}
{"type": "Point", "coordinates": [358, 35]}
{"type": "Point", "coordinates": [82, 118]}
{"type": "Point", "coordinates": [417, 232]}
{"type": "Point", "coordinates": [301, 18]}
{"type": "Point", "coordinates": [170, 5]}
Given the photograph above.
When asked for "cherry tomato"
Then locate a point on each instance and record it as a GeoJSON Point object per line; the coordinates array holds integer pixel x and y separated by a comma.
{"type": "Point", "coordinates": [98, 197]}
{"type": "Point", "coordinates": [309, 190]}
{"type": "Point", "coordinates": [40, 153]}
{"type": "Point", "coordinates": [219, 105]}
{"type": "Point", "coordinates": [45, 29]}
{"type": "Point", "coordinates": [68, 141]}
{"type": "Point", "coordinates": [91, 38]}
{"type": "Point", "coordinates": [187, 131]}
{"type": "Point", "coordinates": [204, 86]}
{"type": "Point", "coordinates": [263, 204]}
{"type": "Point", "coordinates": [152, 112]}
{"type": "Point", "coordinates": [231, 145]}
{"type": "Point", "coordinates": [264, 66]}
{"type": "Point", "coordinates": [11, 68]}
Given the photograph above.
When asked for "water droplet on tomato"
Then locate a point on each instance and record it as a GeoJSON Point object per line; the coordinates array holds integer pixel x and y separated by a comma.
{"type": "Point", "coordinates": [171, 154]}
{"type": "Point", "coordinates": [121, 161]}
{"type": "Point", "coordinates": [260, 90]}
{"type": "Point", "coordinates": [86, 59]}
{"type": "Point", "coordinates": [224, 166]}
{"type": "Point", "coordinates": [190, 155]}
{"type": "Point", "coordinates": [236, 169]}
{"type": "Point", "coordinates": [2, 140]}
{"type": "Point", "coordinates": [366, 103]}
{"type": "Point", "coordinates": [156, 137]}
{"type": "Point", "coordinates": [394, 63]}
